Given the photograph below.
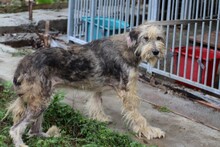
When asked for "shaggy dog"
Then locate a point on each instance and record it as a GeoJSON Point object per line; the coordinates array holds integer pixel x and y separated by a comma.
{"type": "Point", "coordinates": [110, 62]}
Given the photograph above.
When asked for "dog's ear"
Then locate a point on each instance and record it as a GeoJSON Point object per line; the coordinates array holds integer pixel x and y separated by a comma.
{"type": "Point", "coordinates": [132, 38]}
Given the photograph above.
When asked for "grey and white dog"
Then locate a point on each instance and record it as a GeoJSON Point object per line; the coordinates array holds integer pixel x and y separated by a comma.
{"type": "Point", "coordinates": [111, 62]}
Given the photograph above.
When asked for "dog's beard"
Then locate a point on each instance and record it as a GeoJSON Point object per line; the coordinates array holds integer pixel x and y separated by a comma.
{"type": "Point", "coordinates": [147, 55]}
{"type": "Point", "coordinates": [160, 46]}
{"type": "Point", "coordinates": [152, 61]}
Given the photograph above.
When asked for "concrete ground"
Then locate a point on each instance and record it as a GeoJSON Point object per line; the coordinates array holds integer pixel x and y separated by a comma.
{"type": "Point", "coordinates": [180, 131]}
{"type": "Point", "coordinates": [12, 20]}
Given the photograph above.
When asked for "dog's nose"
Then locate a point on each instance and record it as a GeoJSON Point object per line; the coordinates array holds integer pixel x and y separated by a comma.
{"type": "Point", "coordinates": [155, 52]}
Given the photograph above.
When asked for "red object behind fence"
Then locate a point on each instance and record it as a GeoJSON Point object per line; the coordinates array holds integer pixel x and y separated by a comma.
{"type": "Point", "coordinates": [195, 63]}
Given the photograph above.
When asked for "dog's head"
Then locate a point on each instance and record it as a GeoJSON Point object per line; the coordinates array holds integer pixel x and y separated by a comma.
{"type": "Point", "coordinates": [148, 43]}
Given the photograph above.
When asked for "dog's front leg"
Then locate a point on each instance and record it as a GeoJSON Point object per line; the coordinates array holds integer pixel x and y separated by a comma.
{"type": "Point", "coordinates": [131, 113]}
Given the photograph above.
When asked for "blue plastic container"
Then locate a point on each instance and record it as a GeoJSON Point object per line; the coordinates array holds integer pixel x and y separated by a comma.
{"type": "Point", "coordinates": [102, 24]}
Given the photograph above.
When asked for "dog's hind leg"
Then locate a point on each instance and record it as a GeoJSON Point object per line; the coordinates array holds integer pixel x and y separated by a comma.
{"type": "Point", "coordinates": [131, 113]}
{"type": "Point", "coordinates": [95, 109]}
{"type": "Point", "coordinates": [36, 128]}
{"type": "Point", "coordinates": [18, 129]}
{"type": "Point", "coordinates": [34, 109]}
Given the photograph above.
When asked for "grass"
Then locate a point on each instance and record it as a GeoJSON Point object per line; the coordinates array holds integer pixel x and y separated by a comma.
{"type": "Point", "coordinates": [162, 109]}
{"type": "Point", "coordinates": [76, 130]}
{"type": "Point", "coordinates": [19, 52]}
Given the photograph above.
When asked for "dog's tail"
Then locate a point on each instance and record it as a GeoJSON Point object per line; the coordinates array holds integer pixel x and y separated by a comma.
{"type": "Point", "coordinates": [17, 109]}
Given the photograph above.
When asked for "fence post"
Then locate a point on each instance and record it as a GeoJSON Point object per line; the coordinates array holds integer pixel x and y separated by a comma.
{"type": "Point", "coordinates": [182, 14]}
{"type": "Point", "coordinates": [70, 19]}
{"type": "Point", "coordinates": [153, 8]}
{"type": "Point", "coordinates": [92, 15]}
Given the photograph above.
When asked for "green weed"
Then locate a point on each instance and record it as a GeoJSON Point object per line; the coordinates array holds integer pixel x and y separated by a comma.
{"type": "Point", "coordinates": [21, 53]}
{"type": "Point", "coordinates": [164, 109]}
{"type": "Point", "coordinates": [76, 130]}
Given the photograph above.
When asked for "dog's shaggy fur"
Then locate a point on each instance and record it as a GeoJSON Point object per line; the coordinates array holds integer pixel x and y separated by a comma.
{"type": "Point", "coordinates": [109, 62]}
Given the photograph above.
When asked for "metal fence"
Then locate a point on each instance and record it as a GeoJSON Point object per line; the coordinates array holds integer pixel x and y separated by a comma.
{"type": "Point", "coordinates": [192, 42]}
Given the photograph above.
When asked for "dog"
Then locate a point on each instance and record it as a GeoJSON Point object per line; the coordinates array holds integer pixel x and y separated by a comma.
{"type": "Point", "coordinates": [109, 62]}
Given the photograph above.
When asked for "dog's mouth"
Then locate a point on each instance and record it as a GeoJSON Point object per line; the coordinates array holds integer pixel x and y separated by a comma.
{"type": "Point", "coordinates": [154, 58]}
{"type": "Point", "coordinates": [160, 55]}
{"type": "Point", "coordinates": [151, 53]}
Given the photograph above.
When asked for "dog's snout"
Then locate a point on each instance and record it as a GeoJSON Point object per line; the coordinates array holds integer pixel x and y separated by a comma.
{"type": "Point", "coordinates": [155, 52]}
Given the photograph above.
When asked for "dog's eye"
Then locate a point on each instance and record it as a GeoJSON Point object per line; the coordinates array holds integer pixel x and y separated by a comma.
{"type": "Point", "coordinates": [146, 38]}
{"type": "Point", "coordinates": [159, 38]}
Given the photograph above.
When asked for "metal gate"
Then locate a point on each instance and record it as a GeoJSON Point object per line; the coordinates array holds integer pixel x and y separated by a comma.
{"type": "Point", "coordinates": [191, 27]}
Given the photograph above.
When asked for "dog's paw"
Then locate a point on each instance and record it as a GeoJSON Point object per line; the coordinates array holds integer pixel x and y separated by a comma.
{"type": "Point", "coordinates": [23, 145]}
{"type": "Point", "coordinates": [40, 134]}
{"type": "Point", "coordinates": [106, 119]}
{"type": "Point", "coordinates": [151, 132]}
{"type": "Point", "coordinates": [103, 118]}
